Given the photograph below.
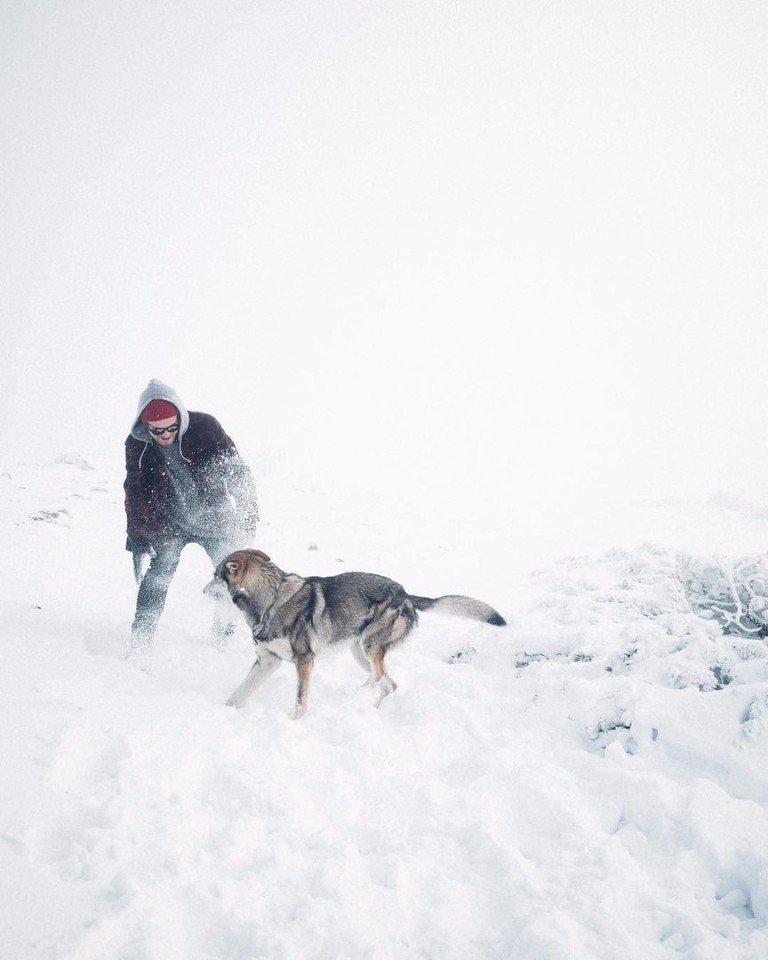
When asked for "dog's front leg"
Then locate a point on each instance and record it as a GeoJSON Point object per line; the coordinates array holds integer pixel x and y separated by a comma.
{"type": "Point", "coordinates": [304, 664]}
{"type": "Point", "coordinates": [266, 664]}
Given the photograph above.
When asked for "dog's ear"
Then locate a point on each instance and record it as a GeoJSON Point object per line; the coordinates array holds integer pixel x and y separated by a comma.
{"type": "Point", "coordinates": [260, 555]}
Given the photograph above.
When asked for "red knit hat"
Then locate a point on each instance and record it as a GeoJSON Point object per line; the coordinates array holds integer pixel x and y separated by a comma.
{"type": "Point", "coordinates": [158, 410]}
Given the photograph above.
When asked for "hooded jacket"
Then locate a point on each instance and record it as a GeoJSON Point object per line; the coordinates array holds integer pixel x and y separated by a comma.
{"type": "Point", "coordinates": [222, 481]}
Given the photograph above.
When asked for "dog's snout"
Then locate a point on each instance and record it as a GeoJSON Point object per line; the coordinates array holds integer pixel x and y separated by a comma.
{"type": "Point", "coordinates": [214, 588]}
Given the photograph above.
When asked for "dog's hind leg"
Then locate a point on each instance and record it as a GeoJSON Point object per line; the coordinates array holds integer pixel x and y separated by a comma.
{"type": "Point", "coordinates": [395, 632]}
{"type": "Point", "coordinates": [304, 664]}
{"type": "Point", "coordinates": [384, 683]}
{"type": "Point", "coordinates": [358, 653]}
{"type": "Point", "coordinates": [265, 665]}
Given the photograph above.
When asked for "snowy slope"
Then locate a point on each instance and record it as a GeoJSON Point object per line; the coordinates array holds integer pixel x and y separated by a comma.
{"type": "Point", "coordinates": [588, 782]}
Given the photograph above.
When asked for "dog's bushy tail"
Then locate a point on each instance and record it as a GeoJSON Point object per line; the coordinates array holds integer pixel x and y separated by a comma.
{"type": "Point", "coordinates": [456, 606]}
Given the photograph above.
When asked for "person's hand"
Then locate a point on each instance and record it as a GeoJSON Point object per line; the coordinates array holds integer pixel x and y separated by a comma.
{"type": "Point", "coordinates": [142, 550]}
{"type": "Point", "coordinates": [138, 567]}
{"type": "Point", "coordinates": [137, 544]}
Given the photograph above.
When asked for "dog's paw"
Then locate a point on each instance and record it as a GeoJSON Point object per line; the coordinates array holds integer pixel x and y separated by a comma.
{"type": "Point", "coordinates": [299, 710]}
{"type": "Point", "coordinates": [384, 687]}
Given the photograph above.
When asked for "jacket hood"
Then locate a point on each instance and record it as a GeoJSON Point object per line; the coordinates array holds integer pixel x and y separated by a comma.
{"type": "Point", "coordinates": [157, 390]}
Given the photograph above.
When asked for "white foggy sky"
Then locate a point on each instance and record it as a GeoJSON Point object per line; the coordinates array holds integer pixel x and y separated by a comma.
{"type": "Point", "coordinates": [497, 249]}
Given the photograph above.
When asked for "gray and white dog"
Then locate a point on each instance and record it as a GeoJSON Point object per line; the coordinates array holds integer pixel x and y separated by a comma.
{"type": "Point", "coordinates": [292, 618]}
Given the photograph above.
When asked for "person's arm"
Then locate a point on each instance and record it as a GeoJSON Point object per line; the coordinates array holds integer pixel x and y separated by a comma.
{"type": "Point", "coordinates": [138, 530]}
{"type": "Point", "coordinates": [238, 476]}
{"type": "Point", "coordinates": [243, 488]}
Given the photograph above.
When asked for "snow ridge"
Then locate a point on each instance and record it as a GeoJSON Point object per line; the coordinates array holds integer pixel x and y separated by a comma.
{"type": "Point", "coordinates": [587, 782]}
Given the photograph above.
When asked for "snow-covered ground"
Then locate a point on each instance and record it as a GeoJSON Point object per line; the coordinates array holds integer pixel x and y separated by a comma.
{"type": "Point", "coordinates": [588, 782]}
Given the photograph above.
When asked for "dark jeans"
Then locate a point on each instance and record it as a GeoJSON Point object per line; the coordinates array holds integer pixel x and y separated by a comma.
{"type": "Point", "coordinates": [154, 589]}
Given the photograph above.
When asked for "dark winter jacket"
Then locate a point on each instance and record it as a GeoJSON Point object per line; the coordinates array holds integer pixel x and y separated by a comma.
{"type": "Point", "coordinates": [218, 471]}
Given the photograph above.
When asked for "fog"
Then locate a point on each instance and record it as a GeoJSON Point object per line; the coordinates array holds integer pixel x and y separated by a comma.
{"type": "Point", "coordinates": [479, 256]}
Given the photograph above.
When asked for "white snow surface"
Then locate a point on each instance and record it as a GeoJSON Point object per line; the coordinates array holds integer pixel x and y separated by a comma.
{"type": "Point", "coordinates": [587, 782]}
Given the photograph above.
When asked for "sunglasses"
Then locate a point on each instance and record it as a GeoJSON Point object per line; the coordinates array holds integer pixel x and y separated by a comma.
{"type": "Point", "coordinates": [159, 431]}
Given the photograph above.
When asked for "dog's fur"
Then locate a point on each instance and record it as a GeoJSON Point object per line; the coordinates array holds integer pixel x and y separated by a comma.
{"type": "Point", "coordinates": [293, 617]}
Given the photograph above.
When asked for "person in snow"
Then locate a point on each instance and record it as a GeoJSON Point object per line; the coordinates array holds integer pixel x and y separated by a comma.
{"type": "Point", "coordinates": [185, 483]}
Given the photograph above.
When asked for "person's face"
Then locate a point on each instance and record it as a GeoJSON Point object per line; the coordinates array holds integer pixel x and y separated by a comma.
{"type": "Point", "coordinates": [164, 438]}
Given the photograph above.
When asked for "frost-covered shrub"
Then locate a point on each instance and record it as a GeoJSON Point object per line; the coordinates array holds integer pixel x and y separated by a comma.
{"type": "Point", "coordinates": [732, 592]}
{"type": "Point", "coordinates": [674, 619]}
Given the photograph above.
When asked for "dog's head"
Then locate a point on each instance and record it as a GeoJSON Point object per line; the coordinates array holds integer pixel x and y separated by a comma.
{"type": "Point", "coordinates": [233, 570]}
{"type": "Point", "coordinates": [250, 578]}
